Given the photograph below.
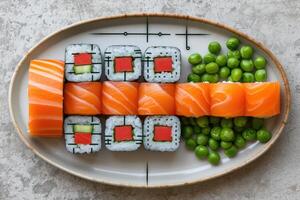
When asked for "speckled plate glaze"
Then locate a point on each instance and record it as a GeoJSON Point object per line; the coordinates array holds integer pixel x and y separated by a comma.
{"type": "Point", "coordinates": [141, 168]}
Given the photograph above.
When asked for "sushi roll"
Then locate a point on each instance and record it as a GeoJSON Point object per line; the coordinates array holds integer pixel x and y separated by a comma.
{"type": "Point", "coordinates": [162, 64]}
{"type": "Point", "coordinates": [123, 63]}
{"type": "Point", "coordinates": [161, 133]}
{"type": "Point", "coordinates": [123, 133]}
{"type": "Point", "coordinates": [82, 134]}
{"type": "Point", "coordinates": [83, 63]}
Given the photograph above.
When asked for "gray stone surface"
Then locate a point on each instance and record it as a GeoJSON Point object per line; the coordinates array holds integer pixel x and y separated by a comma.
{"type": "Point", "coordinates": [276, 23]}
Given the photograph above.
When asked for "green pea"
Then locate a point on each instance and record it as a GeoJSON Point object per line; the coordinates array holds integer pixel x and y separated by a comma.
{"type": "Point", "coordinates": [193, 78]}
{"type": "Point", "coordinates": [202, 122]}
{"type": "Point", "coordinates": [263, 136]}
{"type": "Point", "coordinates": [201, 152]}
{"type": "Point", "coordinates": [239, 142]}
{"type": "Point", "coordinates": [190, 143]}
{"type": "Point", "coordinates": [215, 133]}
{"type": "Point", "coordinates": [238, 129]}
{"type": "Point", "coordinates": [214, 120]}
{"type": "Point", "coordinates": [224, 72]}
{"type": "Point", "coordinates": [213, 144]}
{"type": "Point", "coordinates": [214, 47]}
{"type": "Point", "coordinates": [233, 43]}
{"type": "Point", "coordinates": [233, 62]}
{"type": "Point", "coordinates": [185, 120]}
{"type": "Point", "coordinates": [231, 152]}
{"type": "Point", "coordinates": [225, 145]}
{"type": "Point", "coordinates": [197, 130]}
{"type": "Point", "coordinates": [260, 62]}
{"type": "Point", "coordinates": [247, 65]}
{"type": "Point", "coordinates": [206, 130]}
{"type": "Point", "coordinates": [260, 75]}
{"type": "Point", "coordinates": [198, 69]}
{"type": "Point", "coordinates": [214, 78]}
{"type": "Point", "coordinates": [206, 78]}
{"type": "Point", "coordinates": [221, 60]}
{"type": "Point", "coordinates": [226, 123]}
{"type": "Point", "coordinates": [209, 57]}
{"type": "Point", "coordinates": [202, 139]}
{"type": "Point", "coordinates": [236, 74]}
{"type": "Point", "coordinates": [249, 134]}
{"type": "Point", "coordinates": [192, 121]}
{"type": "Point", "coordinates": [187, 132]}
{"type": "Point", "coordinates": [229, 79]}
{"type": "Point", "coordinates": [246, 52]}
{"type": "Point", "coordinates": [227, 135]}
{"type": "Point", "coordinates": [248, 77]}
{"type": "Point", "coordinates": [195, 59]}
{"type": "Point", "coordinates": [240, 121]}
{"type": "Point", "coordinates": [214, 158]}
{"type": "Point", "coordinates": [212, 68]}
{"type": "Point", "coordinates": [211, 78]}
{"type": "Point", "coordinates": [257, 123]}
{"type": "Point", "coordinates": [234, 54]}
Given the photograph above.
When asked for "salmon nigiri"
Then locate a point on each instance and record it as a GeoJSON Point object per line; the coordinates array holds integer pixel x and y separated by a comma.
{"type": "Point", "coordinates": [156, 99]}
{"type": "Point", "coordinates": [45, 94]}
{"type": "Point", "coordinates": [192, 99]}
{"type": "Point", "coordinates": [119, 98]}
{"type": "Point", "coordinates": [262, 99]}
{"type": "Point", "coordinates": [227, 99]}
{"type": "Point", "coordinates": [82, 98]}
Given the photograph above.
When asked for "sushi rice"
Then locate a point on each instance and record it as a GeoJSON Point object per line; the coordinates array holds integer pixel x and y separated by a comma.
{"type": "Point", "coordinates": [70, 121]}
{"type": "Point", "coordinates": [149, 124]}
{"type": "Point", "coordinates": [162, 51]}
{"type": "Point", "coordinates": [96, 59]}
{"type": "Point", "coordinates": [122, 51]}
{"type": "Point", "coordinates": [114, 121]}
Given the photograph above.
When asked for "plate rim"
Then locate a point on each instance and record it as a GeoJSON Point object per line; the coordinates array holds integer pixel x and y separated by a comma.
{"type": "Point", "coordinates": [165, 15]}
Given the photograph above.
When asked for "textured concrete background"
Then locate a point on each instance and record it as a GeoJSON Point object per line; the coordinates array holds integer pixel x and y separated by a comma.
{"type": "Point", "coordinates": [276, 175]}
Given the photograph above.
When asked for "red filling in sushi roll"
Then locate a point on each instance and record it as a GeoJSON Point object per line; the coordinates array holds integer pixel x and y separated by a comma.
{"type": "Point", "coordinates": [83, 138]}
{"type": "Point", "coordinates": [123, 64]}
{"type": "Point", "coordinates": [83, 59]}
{"type": "Point", "coordinates": [123, 133]}
{"type": "Point", "coordinates": [162, 134]}
{"type": "Point", "coordinates": [163, 64]}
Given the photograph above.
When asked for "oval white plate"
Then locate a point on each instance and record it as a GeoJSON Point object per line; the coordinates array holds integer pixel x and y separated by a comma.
{"type": "Point", "coordinates": [140, 168]}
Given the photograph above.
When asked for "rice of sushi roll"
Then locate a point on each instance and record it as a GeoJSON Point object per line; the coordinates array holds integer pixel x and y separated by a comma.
{"type": "Point", "coordinates": [161, 133]}
{"type": "Point", "coordinates": [162, 64]}
{"type": "Point", "coordinates": [82, 134]}
{"type": "Point", "coordinates": [83, 63]}
{"type": "Point", "coordinates": [123, 133]}
{"type": "Point", "coordinates": [123, 62]}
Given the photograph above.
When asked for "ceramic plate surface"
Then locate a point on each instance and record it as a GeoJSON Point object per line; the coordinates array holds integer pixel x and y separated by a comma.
{"type": "Point", "coordinates": [141, 168]}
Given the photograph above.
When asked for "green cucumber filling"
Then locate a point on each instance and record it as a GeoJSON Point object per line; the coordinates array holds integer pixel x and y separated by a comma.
{"type": "Point", "coordinates": [83, 128]}
{"type": "Point", "coordinates": [81, 69]}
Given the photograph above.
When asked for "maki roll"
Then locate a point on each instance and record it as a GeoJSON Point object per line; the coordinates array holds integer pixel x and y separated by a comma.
{"type": "Point", "coordinates": [162, 64]}
{"type": "Point", "coordinates": [123, 63]}
{"type": "Point", "coordinates": [161, 133]}
{"type": "Point", "coordinates": [83, 63]}
{"type": "Point", "coordinates": [82, 134]}
{"type": "Point", "coordinates": [123, 133]}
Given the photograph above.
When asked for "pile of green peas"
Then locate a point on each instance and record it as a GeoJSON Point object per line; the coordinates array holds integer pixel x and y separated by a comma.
{"type": "Point", "coordinates": [207, 135]}
{"type": "Point", "coordinates": [239, 65]}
